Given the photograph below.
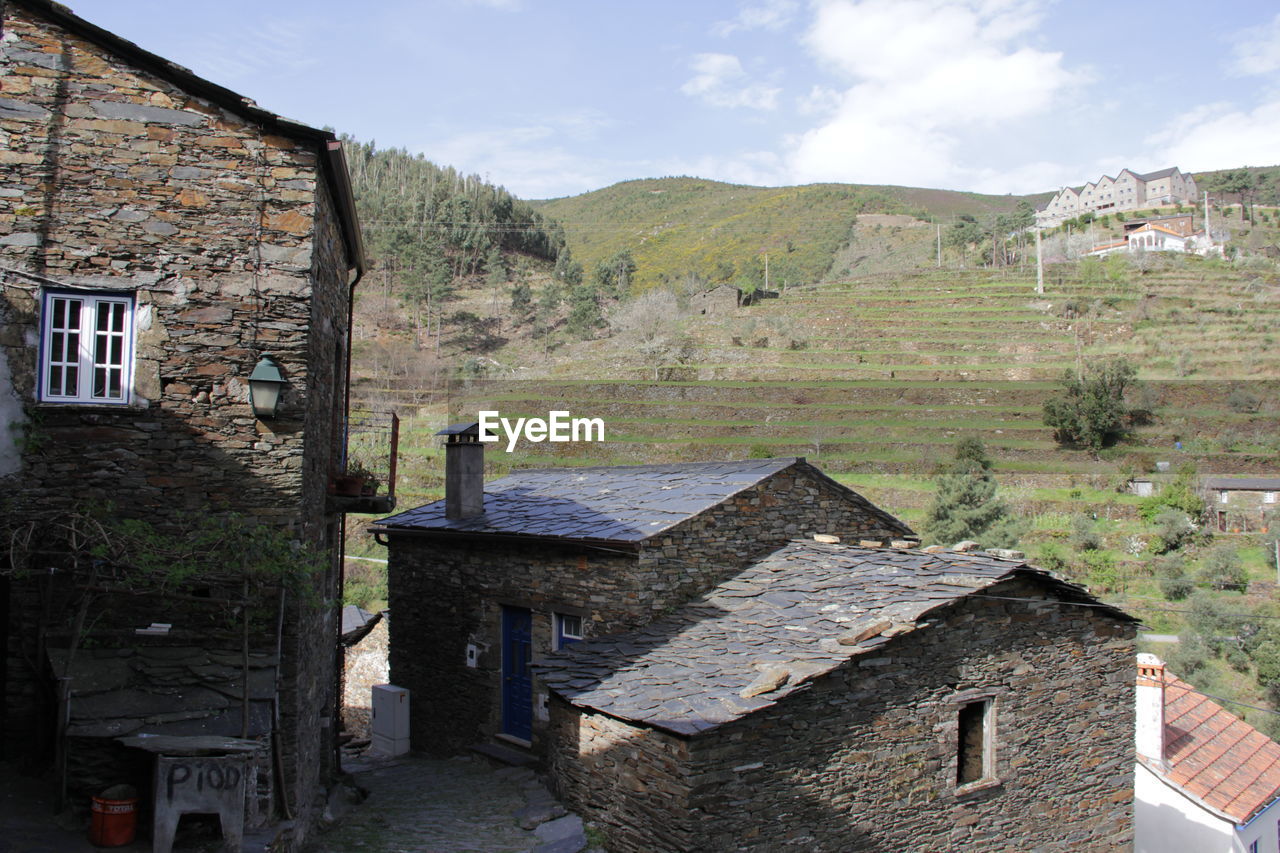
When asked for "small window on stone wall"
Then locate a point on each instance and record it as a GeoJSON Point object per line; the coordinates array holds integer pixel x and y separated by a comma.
{"type": "Point", "coordinates": [974, 762]}
{"type": "Point", "coordinates": [568, 629]}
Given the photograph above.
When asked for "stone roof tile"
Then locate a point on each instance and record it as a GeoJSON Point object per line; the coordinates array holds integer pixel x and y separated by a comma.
{"type": "Point", "coordinates": [621, 503]}
{"type": "Point", "coordinates": [689, 673]}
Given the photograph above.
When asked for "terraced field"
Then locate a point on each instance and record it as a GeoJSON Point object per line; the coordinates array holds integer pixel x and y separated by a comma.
{"type": "Point", "coordinates": [875, 377]}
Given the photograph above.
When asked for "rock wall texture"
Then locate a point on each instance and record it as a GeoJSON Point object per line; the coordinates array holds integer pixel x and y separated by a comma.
{"type": "Point", "coordinates": [867, 758]}
{"type": "Point", "coordinates": [118, 179]}
{"type": "Point", "coordinates": [446, 595]}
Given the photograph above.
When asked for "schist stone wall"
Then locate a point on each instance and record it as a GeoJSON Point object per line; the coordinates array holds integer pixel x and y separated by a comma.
{"type": "Point", "coordinates": [448, 595]}
{"type": "Point", "coordinates": [229, 241]}
{"type": "Point", "coordinates": [867, 758]}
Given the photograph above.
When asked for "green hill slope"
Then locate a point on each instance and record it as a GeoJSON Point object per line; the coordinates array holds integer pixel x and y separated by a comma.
{"type": "Point", "coordinates": [681, 227]}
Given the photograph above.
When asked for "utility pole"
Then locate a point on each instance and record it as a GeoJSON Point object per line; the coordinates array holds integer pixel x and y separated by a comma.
{"type": "Point", "coordinates": [939, 245]}
{"type": "Point", "coordinates": [1039, 266]}
{"type": "Point", "coordinates": [1208, 235]}
{"type": "Point", "coordinates": [766, 270]}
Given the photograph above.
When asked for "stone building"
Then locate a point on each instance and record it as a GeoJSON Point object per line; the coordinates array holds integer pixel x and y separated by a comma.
{"type": "Point", "coordinates": [717, 300]}
{"type": "Point", "coordinates": [1127, 191]}
{"type": "Point", "coordinates": [161, 239]}
{"type": "Point", "coordinates": [837, 698]}
{"type": "Point", "coordinates": [1242, 504]}
{"type": "Point", "coordinates": [494, 578]}
{"type": "Point", "coordinates": [1206, 781]}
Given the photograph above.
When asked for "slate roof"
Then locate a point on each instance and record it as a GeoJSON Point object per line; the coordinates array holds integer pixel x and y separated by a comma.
{"type": "Point", "coordinates": [800, 612]}
{"type": "Point", "coordinates": [166, 690]}
{"type": "Point", "coordinates": [1163, 173]}
{"type": "Point", "coordinates": [1215, 756]}
{"type": "Point", "coordinates": [1248, 484]}
{"type": "Point", "coordinates": [622, 503]}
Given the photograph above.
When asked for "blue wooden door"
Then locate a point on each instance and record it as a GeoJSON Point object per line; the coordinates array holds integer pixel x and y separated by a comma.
{"type": "Point", "coordinates": [517, 681]}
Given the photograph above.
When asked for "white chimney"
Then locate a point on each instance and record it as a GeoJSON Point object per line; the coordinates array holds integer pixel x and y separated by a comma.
{"type": "Point", "coordinates": [1149, 702]}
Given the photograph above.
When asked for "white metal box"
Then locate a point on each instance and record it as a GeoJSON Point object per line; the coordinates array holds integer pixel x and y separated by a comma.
{"type": "Point", "coordinates": [390, 712]}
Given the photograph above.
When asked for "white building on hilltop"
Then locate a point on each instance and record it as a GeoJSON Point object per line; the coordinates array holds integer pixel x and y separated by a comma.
{"type": "Point", "coordinates": [1127, 191]}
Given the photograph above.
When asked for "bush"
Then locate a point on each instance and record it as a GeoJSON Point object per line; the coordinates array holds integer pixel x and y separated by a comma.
{"type": "Point", "coordinates": [1266, 657]}
{"type": "Point", "coordinates": [1174, 583]}
{"type": "Point", "coordinates": [1051, 557]}
{"type": "Point", "coordinates": [1180, 495]}
{"type": "Point", "coordinates": [1091, 411]}
{"type": "Point", "coordinates": [1173, 530]}
{"type": "Point", "coordinates": [1176, 589]}
{"type": "Point", "coordinates": [1190, 655]}
{"type": "Point", "coordinates": [1222, 569]}
{"type": "Point", "coordinates": [1240, 400]}
{"type": "Point", "coordinates": [1104, 576]}
{"type": "Point", "coordinates": [1084, 534]}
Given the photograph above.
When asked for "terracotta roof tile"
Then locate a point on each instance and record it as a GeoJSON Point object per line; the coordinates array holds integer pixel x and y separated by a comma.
{"type": "Point", "coordinates": [1215, 756]}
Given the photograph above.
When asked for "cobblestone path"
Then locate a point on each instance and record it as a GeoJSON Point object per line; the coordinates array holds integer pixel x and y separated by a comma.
{"type": "Point", "coordinates": [418, 805]}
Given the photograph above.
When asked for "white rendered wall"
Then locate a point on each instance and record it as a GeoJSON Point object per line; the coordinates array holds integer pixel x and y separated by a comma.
{"type": "Point", "coordinates": [1166, 821]}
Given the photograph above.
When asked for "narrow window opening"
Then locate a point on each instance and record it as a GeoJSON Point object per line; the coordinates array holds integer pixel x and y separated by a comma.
{"type": "Point", "coordinates": [972, 744]}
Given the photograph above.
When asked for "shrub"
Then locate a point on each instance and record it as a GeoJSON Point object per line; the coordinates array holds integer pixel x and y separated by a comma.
{"type": "Point", "coordinates": [1104, 576]}
{"type": "Point", "coordinates": [1222, 569]}
{"type": "Point", "coordinates": [1051, 557]}
{"type": "Point", "coordinates": [1240, 400]}
{"type": "Point", "coordinates": [1173, 530]}
{"type": "Point", "coordinates": [1091, 410]}
{"type": "Point", "coordinates": [1176, 589]}
{"type": "Point", "coordinates": [1190, 655]}
{"type": "Point", "coordinates": [1174, 583]}
{"type": "Point", "coordinates": [1084, 534]}
{"type": "Point", "coordinates": [1180, 495]}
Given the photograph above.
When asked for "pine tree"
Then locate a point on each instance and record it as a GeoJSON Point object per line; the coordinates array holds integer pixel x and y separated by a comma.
{"type": "Point", "coordinates": [966, 506]}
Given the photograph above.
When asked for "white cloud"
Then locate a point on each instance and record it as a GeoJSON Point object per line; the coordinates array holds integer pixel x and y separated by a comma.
{"type": "Point", "coordinates": [820, 101]}
{"type": "Point", "coordinates": [277, 47]}
{"type": "Point", "coordinates": [1221, 136]}
{"type": "Point", "coordinates": [721, 81]}
{"type": "Point", "coordinates": [921, 77]}
{"type": "Point", "coordinates": [529, 160]}
{"type": "Point", "coordinates": [497, 4]}
{"type": "Point", "coordinates": [770, 15]}
{"type": "Point", "coordinates": [753, 168]}
{"type": "Point", "coordinates": [1258, 51]}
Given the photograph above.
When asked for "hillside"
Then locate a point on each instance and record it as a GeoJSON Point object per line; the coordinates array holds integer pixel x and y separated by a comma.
{"type": "Point", "coordinates": [675, 228]}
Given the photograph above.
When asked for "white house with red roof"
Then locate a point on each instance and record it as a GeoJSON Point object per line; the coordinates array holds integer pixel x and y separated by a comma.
{"type": "Point", "coordinates": [1205, 780]}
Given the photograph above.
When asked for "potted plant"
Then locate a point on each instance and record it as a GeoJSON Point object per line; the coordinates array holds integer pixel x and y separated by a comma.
{"type": "Point", "coordinates": [349, 483]}
{"type": "Point", "coordinates": [366, 481]}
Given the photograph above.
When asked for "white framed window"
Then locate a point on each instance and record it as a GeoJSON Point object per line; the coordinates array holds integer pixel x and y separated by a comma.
{"type": "Point", "coordinates": [1222, 496]}
{"type": "Point", "coordinates": [568, 629]}
{"type": "Point", "coordinates": [1268, 497]}
{"type": "Point", "coordinates": [86, 347]}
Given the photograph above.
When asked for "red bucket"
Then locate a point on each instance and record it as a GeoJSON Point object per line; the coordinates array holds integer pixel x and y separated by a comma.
{"type": "Point", "coordinates": [115, 817]}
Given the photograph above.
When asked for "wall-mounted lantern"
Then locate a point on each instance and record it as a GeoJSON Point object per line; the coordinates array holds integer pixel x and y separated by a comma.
{"type": "Point", "coordinates": [265, 385]}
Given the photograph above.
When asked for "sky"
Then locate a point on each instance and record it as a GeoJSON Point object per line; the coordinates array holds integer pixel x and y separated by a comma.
{"type": "Point", "coordinates": [552, 98]}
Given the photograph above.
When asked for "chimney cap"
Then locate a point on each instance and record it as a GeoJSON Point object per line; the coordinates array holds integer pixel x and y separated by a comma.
{"type": "Point", "coordinates": [470, 430]}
